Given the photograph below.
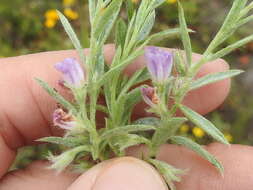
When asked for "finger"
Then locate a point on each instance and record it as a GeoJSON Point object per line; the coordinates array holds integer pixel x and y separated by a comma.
{"type": "Point", "coordinates": [37, 176]}
{"type": "Point", "coordinates": [236, 159]}
{"type": "Point", "coordinates": [26, 109]}
{"type": "Point", "coordinates": [120, 173]}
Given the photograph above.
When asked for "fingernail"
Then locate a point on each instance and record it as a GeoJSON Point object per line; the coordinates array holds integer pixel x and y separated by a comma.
{"type": "Point", "coordinates": [119, 174]}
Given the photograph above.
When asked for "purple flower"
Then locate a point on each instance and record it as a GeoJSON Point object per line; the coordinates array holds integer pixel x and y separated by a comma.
{"type": "Point", "coordinates": [63, 120]}
{"type": "Point", "coordinates": [149, 96]}
{"type": "Point", "coordinates": [159, 63]}
{"type": "Point", "coordinates": [73, 73]}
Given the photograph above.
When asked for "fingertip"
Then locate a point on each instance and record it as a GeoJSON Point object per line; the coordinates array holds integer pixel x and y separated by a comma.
{"type": "Point", "coordinates": [120, 173]}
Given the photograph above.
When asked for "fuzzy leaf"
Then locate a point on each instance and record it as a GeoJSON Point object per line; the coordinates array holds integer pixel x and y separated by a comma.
{"type": "Point", "coordinates": [128, 140]}
{"type": "Point", "coordinates": [170, 173]}
{"type": "Point", "coordinates": [211, 78]}
{"type": "Point", "coordinates": [66, 141]}
{"type": "Point", "coordinates": [130, 9]}
{"type": "Point", "coordinates": [104, 22]}
{"type": "Point", "coordinates": [231, 48]}
{"type": "Point", "coordinates": [125, 129]}
{"type": "Point", "coordinates": [72, 36]}
{"type": "Point", "coordinates": [92, 9]}
{"type": "Point", "coordinates": [162, 133]}
{"type": "Point", "coordinates": [198, 149]}
{"type": "Point", "coordinates": [60, 99]}
{"type": "Point", "coordinates": [184, 34]}
{"type": "Point", "coordinates": [228, 26]}
{"type": "Point", "coordinates": [122, 65]}
{"type": "Point", "coordinates": [120, 32]}
{"type": "Point", "coordinates": [147, 121]}
{"type": "Point", "coordinates": [203, 123]}
{"type": "Point", "coordinates": [63, 160]}
{"type": "Point", "coordinates": [165, 34]}
{"type": "Point", "coordinates": [147, 26]}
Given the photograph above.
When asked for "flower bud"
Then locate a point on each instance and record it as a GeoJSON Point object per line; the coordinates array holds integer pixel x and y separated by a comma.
{"type": "Point", "coordinates": [73, 73]}
{"type": "Point", "coordinates": [159, 63]}
{"type": "Point", "coordinates": [149, 96]}
{"type": "Point", "coordinates": [63, 120]}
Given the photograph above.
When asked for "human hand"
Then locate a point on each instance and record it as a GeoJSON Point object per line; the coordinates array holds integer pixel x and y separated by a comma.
{"type": "Point", "coordinates": [25, 115]}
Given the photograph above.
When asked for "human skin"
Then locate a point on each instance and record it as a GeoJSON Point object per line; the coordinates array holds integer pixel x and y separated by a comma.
{"type": "Point", "coordinates": [25, 115]}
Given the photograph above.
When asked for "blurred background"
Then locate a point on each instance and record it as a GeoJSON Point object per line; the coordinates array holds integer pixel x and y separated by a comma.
{"type": "Point", "coordinates": [30, 26]}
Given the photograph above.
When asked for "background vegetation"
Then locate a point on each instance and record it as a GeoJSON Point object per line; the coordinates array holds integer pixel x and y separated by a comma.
{"type": "Point", "coordinates": [30, 26]}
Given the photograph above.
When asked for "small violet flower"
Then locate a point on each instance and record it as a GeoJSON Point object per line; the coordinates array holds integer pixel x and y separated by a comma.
{"type": "Point", "coordinates": [149, 96]}
{"type": "Point", "coordinates": [73, 73]}
{"type": "Point", "coordinates": [159, 63]}
{"type": "Point", "coordinates": [63, 120]}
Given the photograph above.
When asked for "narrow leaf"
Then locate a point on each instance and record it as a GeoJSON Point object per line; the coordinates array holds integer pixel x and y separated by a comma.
{"type": "Point", "coordinates": [69, 30]}
{"type": "Point", "coordinates": [170, 173]}
{"type": "Point", "coordinates": [105, 19]}
{"type": "Point", "coordinates": [147, 121]}
{"type": "Point", "coordinates": [185, 35]}
{"type": "Point", "coordinates": [128, 140]}
{"type": "Point", "coordinates": [125, 129]}
{"type": "Point", "coordinates": [120, 32]}
{"type": "Point", "coordinates": [60, 99]}
{"type": "Point", "coordinates": [211, 78]}
{"type": "Point", "coordinates": [147, 27]}
{"type": "Point", "coordinates": [165, 34]}
{"type": "Point", "coordinates": [198, 149]}
{"type": "Point", "coordinates": [231, 48]}
{"type": "Point", "coordinates": [66, 141]}
{"type": "Point", "coordinates": [163, 132]}
{"type": "Point", "coordinates": [203, 123]}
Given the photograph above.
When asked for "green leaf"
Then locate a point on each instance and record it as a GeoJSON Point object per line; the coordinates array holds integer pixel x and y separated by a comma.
{"type": "Point", "coordinates": [198, 149]}
{"type": "Point", "coordinates": [139, 76]}
{"type": "Point", "coordinates": [60, 99]}
{"type": "Point", "coordinates": [184, 34]}
{"type": "Point", "coordinates": [147, 121]}
{"type": "Point", "coordinates": [124, 130]}
{"type": "Point", "coordinates": [69, 30]}
{"type": "Point", "coordinates": [128, 140]}
{"type": "Point", "coordinates": [165, 34]}
{"type": "Point", "coordinates": [120, 32]}
{"type": "Point", "coordinates": [66, 141]}
{"type": "Point", "coordinates": [211, 78]}
{"type": "Point", "coordinates": [203, 123]}
{"type": "Point", "coordinates": [104, 21]}
{"type": "Point", "coordinates": [170, 173]}
{"type": "Point", "coordinates": [147, 27]}
{"type": "Point", "coordinates": [179, 63]}
{"type": "Point", "coordinates": [228, 26]}
{"type": "Point", "coordinates": [163, 133]}
{"type": "Point", "coordinates": [231, 48]}
{"type": "Point", "coordinates": [92, 9]}
{"type": "Point", "coordinates": [120, 66]}
{"type": "Point", "coordinates": [133, 97]}
{"type": "Point", "coordinates": [130, 9]}
{"type": "Point", "coordinates": [63, 160]}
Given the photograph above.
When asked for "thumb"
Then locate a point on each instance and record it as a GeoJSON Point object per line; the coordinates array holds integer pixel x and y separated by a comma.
{"type": "Point", "coordinates": [121, 173]}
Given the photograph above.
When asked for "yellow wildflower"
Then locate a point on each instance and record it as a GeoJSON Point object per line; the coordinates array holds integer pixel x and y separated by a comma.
{"type": "Point", "coordinates": [73, 15]}
{"type": "Point", "coordinates": [229, 137]}
{"type": "Point", "coordinates": [171, 1]}
{"type": "Point", "coordinates": [184, 128]}
{"type": "Point", "coordinates": [67, 3]}
{"type": "Point", "coordinates": [198, 132]}
{"type": "Point", "coordinates": [51, 14]}
{"type": "Point", "coordinates": [135, 1]}
{"type": "Point", "coordinates": [50, 23]}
